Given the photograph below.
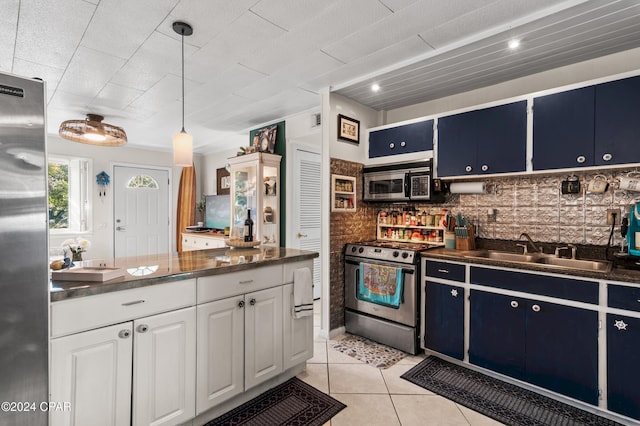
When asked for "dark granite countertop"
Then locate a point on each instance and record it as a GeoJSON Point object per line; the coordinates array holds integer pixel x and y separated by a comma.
{"type": "Point", "coordinates": [141, 271]}
{"type": "Point", "coordinates": [616, 274]}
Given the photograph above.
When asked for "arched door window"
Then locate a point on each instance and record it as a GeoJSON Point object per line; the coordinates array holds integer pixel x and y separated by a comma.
{"type": "Point", "coordinates": [142, 181]}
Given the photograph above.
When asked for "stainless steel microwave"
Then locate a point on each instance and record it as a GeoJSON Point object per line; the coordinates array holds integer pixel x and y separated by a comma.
{"type": "Point", "coordinates": [398, 182]}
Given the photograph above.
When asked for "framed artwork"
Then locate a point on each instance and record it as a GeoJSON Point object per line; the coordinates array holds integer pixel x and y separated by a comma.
{"type": "Point", "coordinates": [348, 129]}
{"type": "Point", "coordinates": [265, 139]}
{"type": "Point", "coordinates": [223, 181]}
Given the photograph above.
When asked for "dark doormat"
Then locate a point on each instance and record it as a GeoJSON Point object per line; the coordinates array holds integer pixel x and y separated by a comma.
{"type": "Point", "coordinates": [505, 402]}
{"type": "Point", "coordinates": [292, 403]}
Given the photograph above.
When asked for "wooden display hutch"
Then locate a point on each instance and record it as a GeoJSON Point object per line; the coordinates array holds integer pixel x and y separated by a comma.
{"type": "Point", "coordinates": [387, 231]}
{"type": "Point", "coordinates": [255, 185]}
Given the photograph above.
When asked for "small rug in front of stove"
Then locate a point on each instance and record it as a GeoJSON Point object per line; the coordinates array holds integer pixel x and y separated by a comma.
{"type": "Point", "coordinates": [368, 351]}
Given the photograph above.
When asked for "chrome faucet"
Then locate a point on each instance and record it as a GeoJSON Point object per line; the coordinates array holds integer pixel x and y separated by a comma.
{"type": "Point", "coordinates": [568, 246]}
{"type": "Point", "coordinates": [535, 247]}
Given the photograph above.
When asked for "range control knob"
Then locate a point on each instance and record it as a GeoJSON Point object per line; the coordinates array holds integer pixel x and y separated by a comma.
{"type": "Point", "coordinates": [396, 253]}
{"type": "Point", "coordinates": [361, 249]}
{"type": "Point", "coordinates": [405, 255]}
{"type": "Point", "coordinates": [353, 249]}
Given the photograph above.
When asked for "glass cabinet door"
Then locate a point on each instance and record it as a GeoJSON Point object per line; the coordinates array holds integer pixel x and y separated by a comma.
{"type": "Point", "coordinates": [244, 195]}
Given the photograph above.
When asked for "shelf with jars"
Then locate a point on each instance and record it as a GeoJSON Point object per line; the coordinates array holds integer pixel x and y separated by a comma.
{"type": "Point", "coordinates": [343, 193]}
{"type": "Point", "coordinates": [412, 226]}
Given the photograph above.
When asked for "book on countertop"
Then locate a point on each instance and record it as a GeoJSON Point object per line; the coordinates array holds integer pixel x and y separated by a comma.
{"type": "Point", "coordinates": [89, 273]}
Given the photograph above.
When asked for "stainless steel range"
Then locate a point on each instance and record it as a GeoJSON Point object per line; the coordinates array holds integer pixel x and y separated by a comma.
{"type": "Point", "coordinates": [381, 292]}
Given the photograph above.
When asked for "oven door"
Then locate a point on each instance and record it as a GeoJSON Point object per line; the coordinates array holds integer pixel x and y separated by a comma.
{"type": "Point", "coordinates": [405, 313]}
{"type": "Point", "coordinates": [385, 186]}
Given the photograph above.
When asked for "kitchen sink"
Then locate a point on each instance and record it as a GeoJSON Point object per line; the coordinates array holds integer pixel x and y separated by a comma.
{"type": "Point", "coordinates": [504, 256]}
{"type": "Point", "coordinates": [585, 265]}
{"type": "Point", "coordinates": [542, 260]}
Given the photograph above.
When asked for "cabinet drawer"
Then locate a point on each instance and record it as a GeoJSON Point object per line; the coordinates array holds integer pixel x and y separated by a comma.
{"type": "Point", "coordinates": [217, 287]}
{"type": "Point", "coordinates": [196, 242]}
{"type": "Point", "coordinates": [563, 288]}
{"type": "Point", "coordinates": [445, 270]}
{"type": "Point", "coordinates": [624, 297]}
{"type": "Point", "coordinates": [85, 313]}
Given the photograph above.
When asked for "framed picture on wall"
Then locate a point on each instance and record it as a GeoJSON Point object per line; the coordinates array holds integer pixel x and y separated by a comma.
{"type": "Point", "coordinates": [348, 129]}
{"type": "Point", "coordinates": [223, 181]}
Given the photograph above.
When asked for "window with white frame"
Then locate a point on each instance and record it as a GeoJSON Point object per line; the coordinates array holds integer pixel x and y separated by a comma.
{"type": "Point", "coordinates": [69, 205]}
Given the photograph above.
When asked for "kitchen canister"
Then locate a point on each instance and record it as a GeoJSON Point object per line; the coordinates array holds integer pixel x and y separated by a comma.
{"type": "Point", "coordinates": [450, 240]}
{"type": "Point", "coordinates": [629, 183]}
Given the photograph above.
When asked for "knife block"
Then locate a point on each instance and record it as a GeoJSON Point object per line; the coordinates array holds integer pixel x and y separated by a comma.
{"type": "Point", "coordinates": [468, 243]}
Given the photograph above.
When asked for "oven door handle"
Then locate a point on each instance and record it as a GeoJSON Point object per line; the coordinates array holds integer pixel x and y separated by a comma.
{"type": "Point", "coordinates": [351, 262]}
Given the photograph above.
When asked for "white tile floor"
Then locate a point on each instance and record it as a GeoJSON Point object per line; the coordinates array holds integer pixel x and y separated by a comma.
{"type": "Point", "coordinates": [379, 396]}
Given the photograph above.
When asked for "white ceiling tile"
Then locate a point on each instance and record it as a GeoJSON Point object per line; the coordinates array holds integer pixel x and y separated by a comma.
{"type": "Point", "coordinates": [289, 14]}
{"type": "Point", "coordinates": [396, 5]}
{"type": "Point", "coordinates": [119, 27]}
{"type": "Point", "coordinates": [50, 75]}
{"type": "Point", "coordinates": [158, 56]}
{"type": "Point", "coordinates": [89, 71]}
{"type": "Point", "coordinates": [223, 84]}
{"type": "Point", "coordinates": [167, 90]}
{"type": "Point", "coordinates": [9, 24]}
{"type": "Point", "coordinates": [50, 31]}
{"type": "Point", "coordinates": [116, 96]}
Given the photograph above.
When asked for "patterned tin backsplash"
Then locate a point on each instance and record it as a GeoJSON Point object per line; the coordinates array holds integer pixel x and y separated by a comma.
{"type": "Point", "coordinates": [535, 204]}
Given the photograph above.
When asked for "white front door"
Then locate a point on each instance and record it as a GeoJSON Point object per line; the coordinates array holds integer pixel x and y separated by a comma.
{"type": "Point", "coordinates": [306, 196]}
{"type": "Point", "coordinates": [141, 211]}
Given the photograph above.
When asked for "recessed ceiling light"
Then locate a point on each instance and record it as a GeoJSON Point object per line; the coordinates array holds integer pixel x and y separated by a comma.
{"type": "Point", "coordinates": [514, 44]}
{"type": "Point", "coordinates": [375, 87]}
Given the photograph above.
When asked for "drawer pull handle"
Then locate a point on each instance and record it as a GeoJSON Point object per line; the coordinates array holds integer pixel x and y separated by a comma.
{"type": "Point", "coordinates": [124, 334]}
{"type": "Point", "coordinates": [142, 328]}
{"type": "Point", "coordinates": [135, 302]}
{"type": "Point", "coordinates": [245, 282]}
{"type": "Point", "coordinates": [444, 271]}
{"type": "Point", "coordinates": [514, 304]}
{"type": "Point", "coordinates": [535, 308]}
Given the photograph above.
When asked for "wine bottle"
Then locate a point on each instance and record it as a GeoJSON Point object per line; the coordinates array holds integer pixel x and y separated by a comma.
{"type": "Point", "coordinates": [248, 227]}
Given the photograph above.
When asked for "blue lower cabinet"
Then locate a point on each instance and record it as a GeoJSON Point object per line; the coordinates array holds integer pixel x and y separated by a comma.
{"type": "Point", "coordinates": [546, 344]}
{"type": "Point", "coordinates": [444, 319]}
{"type": "Point", "coordinates": [623, 365]}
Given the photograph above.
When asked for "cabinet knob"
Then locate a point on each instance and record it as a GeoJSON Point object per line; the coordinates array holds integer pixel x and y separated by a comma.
{"type": "Point", "coordinates": [241, 304]}
{"type": "Point", "coordinates": [392, 145]}
{"type": "Point", "coordinates": [403, 143]}
{"type": "Point", "coordinates": [206, 244]}
{"type": "Point", "coordinates": [607, 157]}
{"type": "Point", "coordinates": [252, 302]}
{"type": "Point", "coordinates": [142, 328]}
{"type": "Point", "coordinates": [468, 168]}
{"type": "Point", "coordinates": [124, 334]}
{"type": "Point", "coordinates": [514, 303]}
{"type": "Point", "coordinates": [620, 325]}
{"type": "Point", "coordinates": [581, 159]}
{"type": "Point", "coordinates": [484, 167]}
{"type": "Point", "coordinates": [454, 292]}
{"type": "Point", "coordinates": [535, 308]}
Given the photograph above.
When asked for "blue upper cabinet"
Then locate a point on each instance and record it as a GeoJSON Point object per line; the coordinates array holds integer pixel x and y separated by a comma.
{"type": "Point", "coordinates": [563, 129]}
{"type": "Point", "coordinates": [414, 137]}
{"type": "Point", "coordinates": [617, 127]}
{"type": "Point", "coordinates": [486, 141]}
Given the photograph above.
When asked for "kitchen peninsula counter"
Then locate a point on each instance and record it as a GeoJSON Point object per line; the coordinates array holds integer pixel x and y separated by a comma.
{"type": "Point", "coordinates": [142, 271]}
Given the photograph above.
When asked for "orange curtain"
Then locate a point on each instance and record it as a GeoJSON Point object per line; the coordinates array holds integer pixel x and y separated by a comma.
{"type": "Point", "coordinates": [186, 213]}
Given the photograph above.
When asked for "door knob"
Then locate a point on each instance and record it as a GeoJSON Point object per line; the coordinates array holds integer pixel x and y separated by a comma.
{"type": "Point", "coordinates": [300, 235]}
{"type": "Point", "coordinates": [120, 228]}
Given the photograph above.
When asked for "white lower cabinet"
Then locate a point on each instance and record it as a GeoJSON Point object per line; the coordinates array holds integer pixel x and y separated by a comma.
{"type": "Point", "coordinates": [92, 371]}
{"type": "Point", "coordinates": [150, 361]}
{"type": "Point", "coordinates": [297, 332]}
{"type": "Point", "coordinates": [239, 345]}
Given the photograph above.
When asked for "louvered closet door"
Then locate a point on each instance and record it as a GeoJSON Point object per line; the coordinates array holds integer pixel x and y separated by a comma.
{"type": "Point", "coordinates": [306, 208]}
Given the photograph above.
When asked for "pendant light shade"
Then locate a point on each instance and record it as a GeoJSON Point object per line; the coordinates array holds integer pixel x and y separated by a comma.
{"type": "Point", "coordinates": [93, 131]}
{"type": "Point", "coordinates": [182, 142]}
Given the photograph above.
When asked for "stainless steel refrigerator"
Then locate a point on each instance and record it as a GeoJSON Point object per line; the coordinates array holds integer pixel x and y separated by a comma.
{"type": "Point", "coordinates": [24, 277]}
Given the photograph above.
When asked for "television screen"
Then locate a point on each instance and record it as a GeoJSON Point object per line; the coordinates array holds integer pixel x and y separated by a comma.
{"type": "Point", "coordinates": [217, 214]}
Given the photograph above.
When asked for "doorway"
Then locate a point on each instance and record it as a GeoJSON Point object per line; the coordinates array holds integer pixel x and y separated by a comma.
{"type": "Point", "coordinates": [141, 206]}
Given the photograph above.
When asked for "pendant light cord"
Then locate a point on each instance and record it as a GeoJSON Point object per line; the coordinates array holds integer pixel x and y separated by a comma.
{"type": "Point", "coordinates": [183, 131]}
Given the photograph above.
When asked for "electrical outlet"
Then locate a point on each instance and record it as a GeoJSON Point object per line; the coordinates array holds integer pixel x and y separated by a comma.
{"type": "Point", "coordinates": [610, 219]}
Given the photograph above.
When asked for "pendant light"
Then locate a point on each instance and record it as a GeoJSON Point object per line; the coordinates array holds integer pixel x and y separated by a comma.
{"type": "Point", "coordinates": [93, 131]}
{"type": "Point", "coordinates": [183, 141]}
